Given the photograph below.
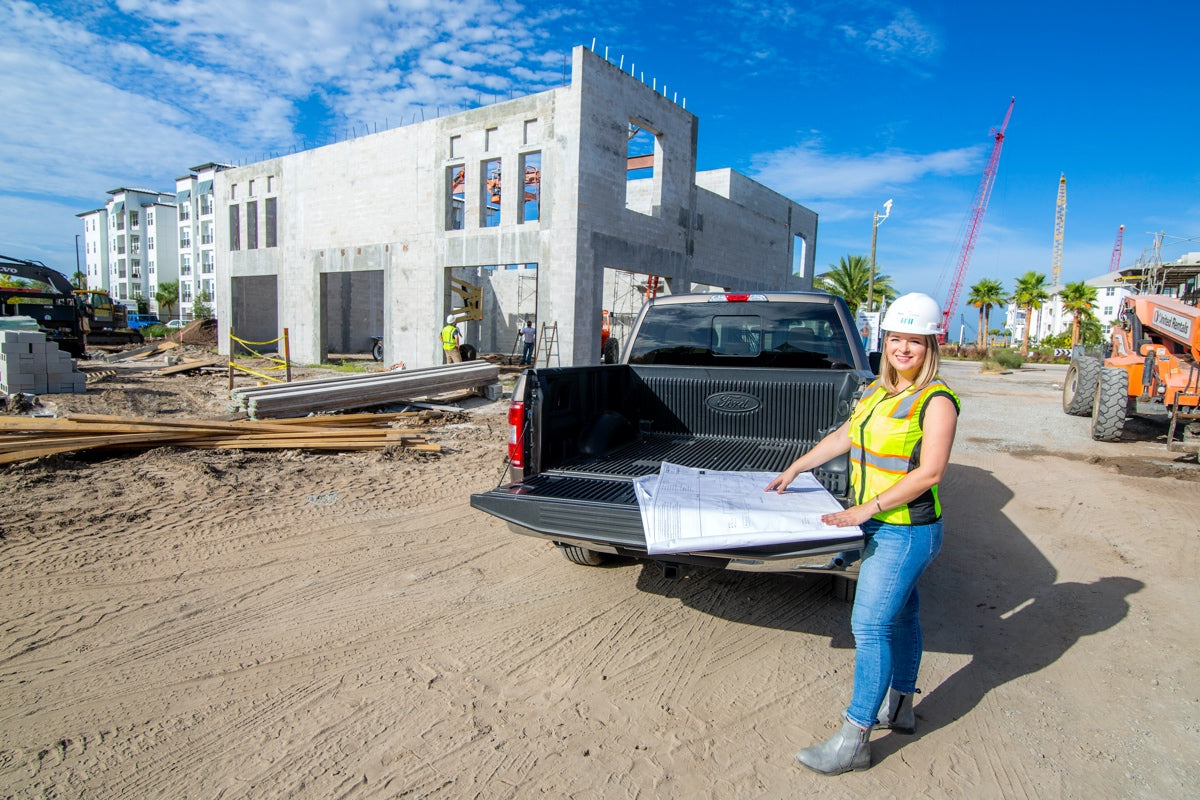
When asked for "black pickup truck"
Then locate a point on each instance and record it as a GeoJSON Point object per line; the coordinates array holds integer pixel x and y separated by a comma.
{"type": "Point", "coordinates": [744, 382]}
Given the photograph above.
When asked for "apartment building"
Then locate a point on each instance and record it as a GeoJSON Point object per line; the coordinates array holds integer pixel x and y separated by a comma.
{"type": "Point", "coordinates": [129, 244]}
{"type": "Point", "coordinates": [95, 247]}
{"type": "Point", "coordinates": [555, 207]}
{"type": "Point", "coordinates": [196, 250]}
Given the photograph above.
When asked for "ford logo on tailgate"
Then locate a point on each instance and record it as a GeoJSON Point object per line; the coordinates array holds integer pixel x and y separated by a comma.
{"type": "Point", "coordinates": [734, 402]}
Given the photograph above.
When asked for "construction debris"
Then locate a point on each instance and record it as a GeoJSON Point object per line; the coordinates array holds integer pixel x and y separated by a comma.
{"type": "Point", "coordinates": [362, 391]}
{"type": "Point", "coordinates": [25, 438]}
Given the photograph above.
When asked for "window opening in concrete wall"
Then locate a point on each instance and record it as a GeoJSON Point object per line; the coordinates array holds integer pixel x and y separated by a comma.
{"type": "Point", "coordinates": [234, 229]}
{"type": "Point", "coordinates": [185, 265]}
{"type": "Point", "coordinates": [490, 140]}
{"type": "Point", "coordinates": [491, 193]}
{"type": "Point", "coordinates": [455, 197]}
{"type": "Point", "coordinates": [533, 132]}
{"type": "Point", "coordinates": [270, 183]}
{"type": "Point", "coordinates": [456, 147]}
{"type": "Point", "coordinates": [233, 191]}
{"type": "Point", "coordinates": [250, 191]}
{"type": "Point", "coordinates": [269, 210]}
{"type": "Point", "coordinates": [252, 226]}
{"type": "Point", "coordinates": [643, 181]}
{"type": "Point", "coordinates": [531, 203]}
{"type": "Point", "coordinates": [798, 253]}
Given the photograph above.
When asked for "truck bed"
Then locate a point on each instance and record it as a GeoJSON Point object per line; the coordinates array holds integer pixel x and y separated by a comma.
{"type": "Point", "coordinates": [601, 427]}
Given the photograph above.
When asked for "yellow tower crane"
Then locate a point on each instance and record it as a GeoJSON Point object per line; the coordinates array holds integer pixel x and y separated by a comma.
{"type": "Point", "coordinates": [1060, 223]}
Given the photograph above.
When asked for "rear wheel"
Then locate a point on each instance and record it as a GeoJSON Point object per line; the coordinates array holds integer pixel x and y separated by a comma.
{"type": "Point", "coordinates": [581, 555]}
{"type": "Point", "coordinates": [377, 351]}
{"type": "Point", "coordinates": [468, 352]}
{"type": "Point", "coordinates": [612, 351]}
{"type": "Point", "coordinates": [1079, 389]}
{"type": "Point", "coordinates": [1111, 404]}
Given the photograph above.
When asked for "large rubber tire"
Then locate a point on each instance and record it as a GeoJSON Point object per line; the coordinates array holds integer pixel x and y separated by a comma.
{"type": "Point", "coordinates": [581, 555]}
{"type": "Point", "coordinates": [1079, 389]}
{"type": "Point", "coordinates": [612, 351]}
{"type": "Point", "coordinates": [1111, 405]}
{"type": "Point", "coordinates": [377, 351]}
{"type": "Point", "coordinates": [468, 352]}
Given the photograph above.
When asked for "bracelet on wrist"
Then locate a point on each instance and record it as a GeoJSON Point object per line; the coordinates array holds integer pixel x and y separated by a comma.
{"type": "Point", "coordinates": [877, 504]}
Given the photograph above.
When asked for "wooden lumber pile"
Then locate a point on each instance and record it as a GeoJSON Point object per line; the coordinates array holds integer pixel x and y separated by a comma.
{"type": "Point", "coordinates": [361, 391]}
{"type": "Point", "coordinates": [24, 438]}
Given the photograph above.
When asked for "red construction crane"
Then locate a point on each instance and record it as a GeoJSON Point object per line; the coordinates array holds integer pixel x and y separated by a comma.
{"type": "Point", "coordinates": [981, 202]}
{"type": "Point", "coordinates": [1115, 264]}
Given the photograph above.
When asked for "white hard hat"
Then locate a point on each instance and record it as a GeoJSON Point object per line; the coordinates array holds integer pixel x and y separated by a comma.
{"type": "Point", "coordinates": [449, 319]}
{"type": "Point", "coordinates": [914, 313]}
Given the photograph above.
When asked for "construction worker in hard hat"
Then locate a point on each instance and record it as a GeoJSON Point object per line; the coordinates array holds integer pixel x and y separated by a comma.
{"type": "Point", "coordinates": [899, 437]}
{"type": "Point", "coordinates": [451, 339]}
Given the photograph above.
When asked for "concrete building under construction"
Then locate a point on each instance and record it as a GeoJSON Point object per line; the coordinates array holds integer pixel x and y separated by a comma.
{"type": "Point", "coordinates": [386, 234]}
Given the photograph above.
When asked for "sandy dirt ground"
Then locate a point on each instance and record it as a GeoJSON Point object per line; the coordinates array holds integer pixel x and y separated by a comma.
{"type": "Point", "coordinates": [211, 624]}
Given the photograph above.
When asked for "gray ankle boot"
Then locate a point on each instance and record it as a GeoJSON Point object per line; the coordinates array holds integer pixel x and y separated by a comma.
{"type": "Point", "coordinates": [850, 748]}
{"type": "Point", "coordinates": [897, 713]}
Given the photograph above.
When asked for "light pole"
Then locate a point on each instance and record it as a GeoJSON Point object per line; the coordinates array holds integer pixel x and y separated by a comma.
{"type": "Point", "coordinates": [887, 210]}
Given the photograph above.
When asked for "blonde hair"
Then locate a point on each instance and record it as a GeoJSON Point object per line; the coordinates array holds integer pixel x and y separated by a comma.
{"type": "Point", "coordinates": [889, 376]}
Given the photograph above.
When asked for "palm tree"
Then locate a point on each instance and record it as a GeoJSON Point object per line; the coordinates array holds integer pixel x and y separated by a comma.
{"type": "Point", "coordinates": [1029, 295]}
{"type": "Point", "coordinates": [167, 296]}
{"type": "Point", "coordinates": [1079, 299]}
{"type": "Point", "coordinates": [849, 279]}
{"type": "Point", "coordinates": [984, 295]}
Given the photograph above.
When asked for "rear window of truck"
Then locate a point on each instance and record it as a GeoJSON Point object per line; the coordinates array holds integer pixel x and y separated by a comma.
{"type": "Point", "coordinates": [790, 335]}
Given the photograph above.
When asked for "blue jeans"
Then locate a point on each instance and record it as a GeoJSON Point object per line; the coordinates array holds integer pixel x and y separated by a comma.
{"type": "Point", "coordinates": [886, 619]}
{"type": "Point", "coordinates": [527, 353]}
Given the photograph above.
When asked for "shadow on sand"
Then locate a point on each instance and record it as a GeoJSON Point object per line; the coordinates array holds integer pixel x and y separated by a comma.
{"type": "Point", "coordinates": [991, 595]}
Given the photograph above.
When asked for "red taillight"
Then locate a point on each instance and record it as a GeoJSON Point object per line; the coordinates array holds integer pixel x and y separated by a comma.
{"type": "Point", "coordinates": [516, 432]}
{"type": "Point", "coordinates": [737, 298]}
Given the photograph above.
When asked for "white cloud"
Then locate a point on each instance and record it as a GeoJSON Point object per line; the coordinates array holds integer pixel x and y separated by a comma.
{"type": "Point", "coordinates": [807, 171]}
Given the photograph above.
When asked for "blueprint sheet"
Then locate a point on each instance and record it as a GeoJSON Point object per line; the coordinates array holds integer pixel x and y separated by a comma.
{"type": "Point", "coordinates": [685, 509]}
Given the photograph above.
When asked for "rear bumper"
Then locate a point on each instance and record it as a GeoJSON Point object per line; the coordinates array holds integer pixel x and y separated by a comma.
{"type": "Point", "coordinates": [616, 527]}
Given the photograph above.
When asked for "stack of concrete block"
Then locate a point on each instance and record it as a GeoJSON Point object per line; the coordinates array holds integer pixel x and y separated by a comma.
{"type": "Point", "coordinates": [29, 364]}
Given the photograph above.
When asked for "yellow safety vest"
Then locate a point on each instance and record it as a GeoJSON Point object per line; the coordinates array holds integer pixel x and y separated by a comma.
{"type": "Point", "coordinates": [885, 445]}
{"type": "Point", "coordinates": [448, 332]}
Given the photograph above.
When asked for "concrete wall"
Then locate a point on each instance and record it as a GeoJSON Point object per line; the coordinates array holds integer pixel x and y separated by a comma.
{"type": "Point", "coordinates": [382, 203]}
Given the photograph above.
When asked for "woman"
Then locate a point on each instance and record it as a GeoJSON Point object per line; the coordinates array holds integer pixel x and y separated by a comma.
{"type": "Point", "coordinates": [899, 438]}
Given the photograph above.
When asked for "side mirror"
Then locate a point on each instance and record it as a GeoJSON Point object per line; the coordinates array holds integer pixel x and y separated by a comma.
{"type": "Point", "coordinates": [874, 360]}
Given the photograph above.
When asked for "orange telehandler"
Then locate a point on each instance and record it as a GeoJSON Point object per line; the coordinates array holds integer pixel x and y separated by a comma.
{"type": "Point", "coordinates": [1153, 370]}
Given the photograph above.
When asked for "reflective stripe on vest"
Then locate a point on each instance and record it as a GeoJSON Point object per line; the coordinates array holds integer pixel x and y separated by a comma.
{"type": "Point", "coordinates": [448, 337]}
{"type": "Point", "coordinates": [885, 439]}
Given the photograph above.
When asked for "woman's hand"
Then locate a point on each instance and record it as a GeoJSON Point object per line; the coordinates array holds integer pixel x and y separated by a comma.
{"type": "Point", "coordinates": [854, 515]}
{"type": "Point", "coordinates": [782, 480]}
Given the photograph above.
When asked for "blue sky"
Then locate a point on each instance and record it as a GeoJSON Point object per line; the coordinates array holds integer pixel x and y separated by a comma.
{"type": "Point", "coordinates": [839, 106]}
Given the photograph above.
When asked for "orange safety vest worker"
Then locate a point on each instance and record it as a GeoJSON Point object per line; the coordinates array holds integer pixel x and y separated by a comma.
{"type": "Point", "coordinates": [885, 444]}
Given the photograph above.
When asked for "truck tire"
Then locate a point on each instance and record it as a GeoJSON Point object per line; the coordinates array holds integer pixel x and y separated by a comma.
{"type": "Point", "coordinates": [581, 555]}
{"type": "Point", "coordinates": [612, 351]}
{"type": "Point", "coordinates": [377, 351]}
{"type": "Point", "coordinates": [468, 352]}
{"type": "Point", "coordinates": [1079, 389]}
{"type": "Point", "coordinates": [1111, 405]}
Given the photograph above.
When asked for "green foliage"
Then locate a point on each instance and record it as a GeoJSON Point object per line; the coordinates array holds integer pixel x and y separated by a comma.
{"type": "Point", "coordinates": [1009, 359]}
{"type": "Point", "coordinates": [201, 308]}
{"type": "Point", "coordinates": [984, 295]}
{"type": "Point", "coordinates": [1061, 340]}
{"type": "Point", "coordinates": [850, 279]}
{"type": "Point", "coordinates": [167, 297]}
{"type": "Point", "coordinates": [1029, 295]}
{"type": "Point", "coordinates": [1092, 333]}
{"type": "Point", "coordinates": [1079, 300]}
